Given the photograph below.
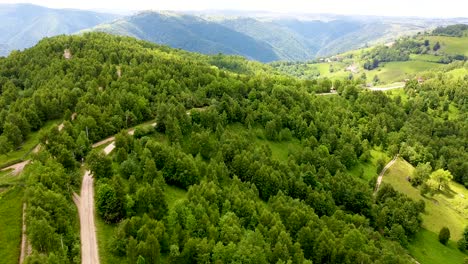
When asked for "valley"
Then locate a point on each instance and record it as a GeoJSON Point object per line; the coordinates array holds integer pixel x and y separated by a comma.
{"type": "Point", "coordinates": [128, 151]}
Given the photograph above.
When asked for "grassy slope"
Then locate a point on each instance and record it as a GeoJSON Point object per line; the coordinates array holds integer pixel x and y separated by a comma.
{"type": "Point", "coordinates": [443, 209]}
{"type": "Point", "coordinates": [427, 249]}
{"type": "Point", "coordinates": [10, 224]}
{"type": "Point", "coordinates": [450, 45]}
{"type": "Point", "coordinates": [399, 70]}
{"type": "Point", "coordinates": [446, 209]}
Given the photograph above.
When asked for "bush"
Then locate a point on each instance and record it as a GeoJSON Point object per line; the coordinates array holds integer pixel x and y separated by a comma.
{"type": "Point", "coordinates": [444, 235]}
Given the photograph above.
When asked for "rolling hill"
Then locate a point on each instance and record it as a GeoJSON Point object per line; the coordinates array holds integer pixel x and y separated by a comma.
{"type": "Point", "coordinates": [418, 58]}
{"type": "Point", "coordinates": [23, 25]}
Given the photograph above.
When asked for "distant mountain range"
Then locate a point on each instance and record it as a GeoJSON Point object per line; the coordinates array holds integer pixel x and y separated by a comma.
{"type": "Point", "coordinates": [23, 25]}
{"type": "Point", "coordinates": [259, 36]}
{"type": "Point", "coordinates": [264, 37]}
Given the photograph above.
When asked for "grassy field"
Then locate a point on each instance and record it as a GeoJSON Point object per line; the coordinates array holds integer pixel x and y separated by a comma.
{"type": "Point", "coordinates": [450, 45]}
{"type": "Point", "coordinates": [397, 71]}
{"type": "Point", "coordinates": [398, 92]}
{"type": "Point", "coordinates": [28, 145]}
{"type": "Point", "coordinates": [368, 170]}
{"type": "Point", "coordinates": [443, 209]}
{"type": "Point", "coordinates": [425, 57]}
{"type": "Point", "coordinates": [11, 203]}
{"type": "Point", "coordinates": [427, 249]}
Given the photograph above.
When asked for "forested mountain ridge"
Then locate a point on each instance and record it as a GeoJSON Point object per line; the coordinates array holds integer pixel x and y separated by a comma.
{"type": "Point", "coordinates": [23, 25]}
{"type": "Point", "coordinates": [189, 33]}
{"type": "Point", "coordinates": [245, 201]}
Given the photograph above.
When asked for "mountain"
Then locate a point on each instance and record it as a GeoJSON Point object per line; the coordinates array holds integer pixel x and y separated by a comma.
{"type": "Point", "coordinates": [190, 33]}
{"type": "Point", "coordinates": [267, 37]}
{"type": "Point", "coordinates": [23, 25]}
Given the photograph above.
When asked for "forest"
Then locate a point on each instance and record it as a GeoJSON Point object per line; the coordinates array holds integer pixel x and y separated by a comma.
{"type": "Point", "coordinates": [216, 120]}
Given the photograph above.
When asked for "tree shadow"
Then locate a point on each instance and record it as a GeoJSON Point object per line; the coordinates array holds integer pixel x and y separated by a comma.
{"type": "Point", "coordinates": [448, 193]}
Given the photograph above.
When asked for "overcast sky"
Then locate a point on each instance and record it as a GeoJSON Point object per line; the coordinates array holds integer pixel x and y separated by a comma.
{"type": "Point", "coordinates": [422, 8]}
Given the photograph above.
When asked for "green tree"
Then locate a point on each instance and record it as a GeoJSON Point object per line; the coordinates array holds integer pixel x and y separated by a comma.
{"type": "Point", "coordinates": [99, 164]}
{"type": "Point", "coordinates": [421, 173]}
{"type": "Point", "coordinates": [5, 145]}
{"type": "Point", "coordinates": [13, 134]}
{"type": "Point", "coordinates": [444, 235]}
{"type": "Point", "coordinates": [109, 205]}
{"type": "Point", "coordinates": [439, 180]}
{"type": "Point", "coordinates": [463, 242]}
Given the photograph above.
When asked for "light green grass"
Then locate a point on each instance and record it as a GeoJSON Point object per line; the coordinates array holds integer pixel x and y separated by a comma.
{"type": "Point", "coordinates": [105, 234]}
{"type": "Point", "coordinates": [450, 45]}
{"type": "Point", "coordinates": [427, 249]}
{"type": "Point", "coordinates": [443, 209]}
{"type": "Point", "coordinates": [397, 71]}
{"type": "Point", "coordinates": [11, 204]}
{"type": "Point", "coordinates": [398, 92]}
{"type": "Point", "coordinates": [368, 170]}
{"type": "Point", "coordinates": [281, 150]}
{"type": "Point", "coordinates": [28, 145]}
{"type": "Point", "coordinates": [425, 57]}
{"type": "Point", "coordinates": [174, 195]}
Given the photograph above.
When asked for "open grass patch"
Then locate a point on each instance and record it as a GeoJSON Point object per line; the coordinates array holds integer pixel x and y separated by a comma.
{"type": "Point", "coordinates": [447, 208]}
{"type": "Point", "coordinates": [173, 195]}
{"type": "Point", "coordinates": [425, 57]}
{"type": "Point", "coordinates": [427, 249]}
{"type": "Point", "coordinates": [11, 204]}
{"type": "Point", "coordinates": [397, 71]}
{"type": "Point", "coordinates": [368, 170]}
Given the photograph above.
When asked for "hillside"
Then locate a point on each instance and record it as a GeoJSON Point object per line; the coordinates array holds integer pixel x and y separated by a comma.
{"type": "Point", "coordinates": [213, 158]}
{"type": "Point", "coordinates": [23, 25]}
{"type": "Point", "coordinates": [403, 59]}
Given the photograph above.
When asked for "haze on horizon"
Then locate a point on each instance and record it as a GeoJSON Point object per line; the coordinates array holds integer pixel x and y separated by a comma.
{"type": "Point", "coordinates": [417, 8]}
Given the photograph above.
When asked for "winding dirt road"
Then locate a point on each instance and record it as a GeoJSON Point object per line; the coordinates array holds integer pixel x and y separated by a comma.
{"type": "Point", "coordinates": [380, 178]}
{"type": "Point", "coordinates": [17, 168]}
{"type": "Point", "coordinates": [85, 204]}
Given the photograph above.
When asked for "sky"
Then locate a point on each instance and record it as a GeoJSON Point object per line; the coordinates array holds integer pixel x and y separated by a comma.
{"type": "Point", "coordinates": [421, 8]}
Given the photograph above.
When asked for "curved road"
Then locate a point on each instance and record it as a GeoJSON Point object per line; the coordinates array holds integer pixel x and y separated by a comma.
{"type": "Point", "coordinates": [380, 178]}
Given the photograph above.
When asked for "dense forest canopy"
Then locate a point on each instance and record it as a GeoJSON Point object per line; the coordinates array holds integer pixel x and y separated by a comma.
{"type": "Point", "coordinates": [214, 117]}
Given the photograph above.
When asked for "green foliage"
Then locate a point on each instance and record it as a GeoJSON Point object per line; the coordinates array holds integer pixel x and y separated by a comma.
{"type": "Point", "coordinates": [421, 173]}
{"type": "Point", "coordinates": [223, 137]}
{"type": "Point", "coordinates": [99, 164]}
{"type": "Point", "coordinates": [444, 235]}
{"type": "Point", "coordinates": [457, 30]}
{"type": "Point", "coordinates": [439, 179]}
{"type": "Point", "coordinates": [463, 242]}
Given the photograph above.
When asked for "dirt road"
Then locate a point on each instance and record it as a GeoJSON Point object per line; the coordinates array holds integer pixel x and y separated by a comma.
{"type": "Point", "coordinates": [85, 204]}
{"type": "Point", "coordinates": [17, 168]}
{"type": "Point", "coordinates": [380, 178]}
{"type": "Point", "coordinates": [387, 88]}
{"type": "Point", "coordinates": [25, 246]}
